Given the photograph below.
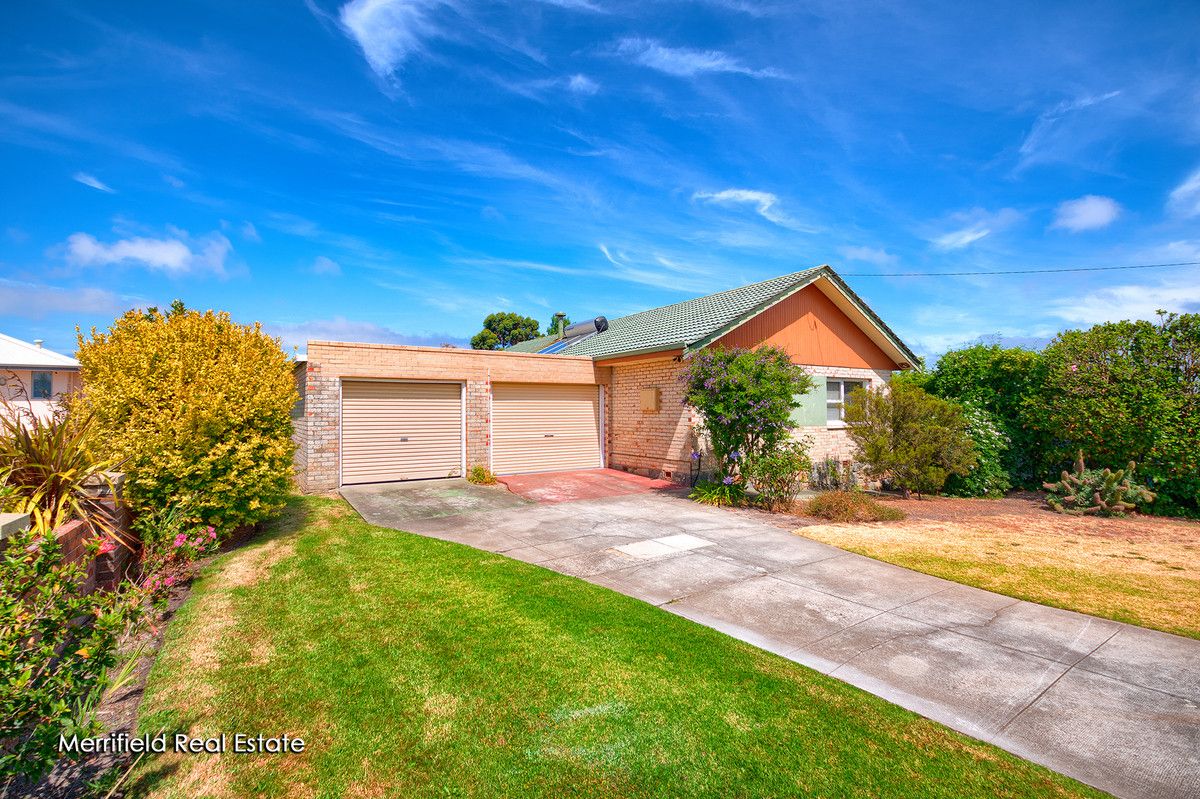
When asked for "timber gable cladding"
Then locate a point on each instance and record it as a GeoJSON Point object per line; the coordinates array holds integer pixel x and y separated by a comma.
{"type": "Point", "coordinates": [626, 407]}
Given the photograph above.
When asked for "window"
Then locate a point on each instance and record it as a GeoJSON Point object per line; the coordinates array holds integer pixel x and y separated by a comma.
{"type": "Point", "coordinates": [43, 385]}
{"type": "Point", "coordinates": [836, 392]}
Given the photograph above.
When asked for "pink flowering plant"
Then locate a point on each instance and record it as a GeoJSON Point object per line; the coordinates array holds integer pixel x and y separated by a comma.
{"type": "Point", "coordinates": [171, 544]}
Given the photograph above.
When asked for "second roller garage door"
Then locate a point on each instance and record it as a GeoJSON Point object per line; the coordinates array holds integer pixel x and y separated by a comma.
{"type": "Point", "coordinates": [541, 428]}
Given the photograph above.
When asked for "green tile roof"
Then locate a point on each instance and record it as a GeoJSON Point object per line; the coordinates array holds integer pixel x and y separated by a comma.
{"type": "Point", "coordinates": [692, 324]}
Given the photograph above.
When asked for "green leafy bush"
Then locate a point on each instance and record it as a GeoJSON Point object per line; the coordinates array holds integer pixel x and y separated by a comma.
{"type": "Point", "coordinates": [1129, 391]}
{"type": "Point", "coordinates": [171, 546]}
{"type": "Point", "coordinates": [1102, 492]}
{"type": "Point", "coordinates": [988, 477]}
{"type": "Point", "coordinates": [57, 644]}
{"type": "Point", "coordinates": [849, 506]}
{"type": "Point", "coordinates": [198, 410]}
{"type": "Point", "coordinates": [914, 439]}
{"type": "Point", "coordinates": [746, 398]}
{"type": "Point", "coordinates": [481, 475]}
{"type": "Point", "coordinates": [1007, 383]}
{"type": "Point", "coordinates": [723, 493]}
{"type": "Point", "coordinates": [779, 474]}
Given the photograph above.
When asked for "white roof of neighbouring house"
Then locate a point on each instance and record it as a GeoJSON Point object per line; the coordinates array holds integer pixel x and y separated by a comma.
{"type": "Point", "coordinates": [17, 354]}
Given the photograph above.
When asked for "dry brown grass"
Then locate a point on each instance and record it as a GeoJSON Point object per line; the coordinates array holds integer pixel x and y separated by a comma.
{"type": "Point", "coordinates": [1139, 570]}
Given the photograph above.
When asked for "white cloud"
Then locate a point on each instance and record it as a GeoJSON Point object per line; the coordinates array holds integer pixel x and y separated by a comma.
{"type": "Point", "coordinates": [322, 265]}
{"type": "Point", "coordinates": [34, 300]}
{"type": "Point", "coordinates": [1050, 135]}
{"type": "Point", "coordinates": [685, 62]}
{"type": "Point", "coordinates": [340, 328]}
{"type": "Point", "coordinates": [870, 255]}
{"type": "Point", "coordinates": [582, 84]}
{"type": "Point", "coordinates": [765, 205]}
{"type": "Point", "coordinates": [576, 5]}
{"type": "Point", "coordinates": [93, 181]}
{"type": "Point", "coordinates": [1135, 301]}
{"type": "Point", "coordinates": [250, 233]}
{"type": "Point", "coordinates": [389, 32]}
{"type": "Point", "coordinates": [974, 225]}
{"type": "Point", "coordinates": [176, 255]}
{"type": "Point", "coordinates": [1185, 198]}
{"type": "Point", "coordinates": [1089, 212]}
{"type": "Point", "coordinates": [173, 182]}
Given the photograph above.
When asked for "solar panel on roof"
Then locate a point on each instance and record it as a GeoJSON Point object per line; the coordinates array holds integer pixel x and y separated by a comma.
{"type": "Point", "coordinates": [557, 346]}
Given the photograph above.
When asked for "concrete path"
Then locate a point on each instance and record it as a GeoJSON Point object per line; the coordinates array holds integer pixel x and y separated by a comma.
{"type": "Point", "coordinates": [1115, 706]}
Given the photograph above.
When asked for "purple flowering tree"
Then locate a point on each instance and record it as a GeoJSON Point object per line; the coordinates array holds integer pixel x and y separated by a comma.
{"type": "Point", "coordinates": [746, 399]}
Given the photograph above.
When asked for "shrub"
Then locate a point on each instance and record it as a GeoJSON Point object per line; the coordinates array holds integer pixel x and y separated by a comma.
{"type": "Point", "coordinates": [57, 644]}
{"type": "Point", "coordinates": [481, 475]}
{"type": "Point", "coordinates": [988, 477]}
{"type": "Point", "coordinates": [779, 474]}
{"type": "Point", "coordinates": [1129, 391]}
{"type": "Point", "coordinates": [910, 436]}
{"type": "Point", "coordinates": [849, 506]}
{"type": "Point", "coordinates": [46, 463]}
{"type": "Point", "coordinates": [1006, 382]}
{"type": "Point", "coordinates": [171, 544]}
{"type": "Point", "coordinates": [198, 409]}
{"type": "Point", "coordinates": [723, 493]}
{"type": "Point", "coordinates": [1100, 492]}
{"type": "Point", "coordinates": [832, 475]}
{"type": "Point", "coordinates": [746, 398]}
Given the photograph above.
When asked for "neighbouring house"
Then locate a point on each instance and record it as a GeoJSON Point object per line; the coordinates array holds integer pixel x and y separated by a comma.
{"type": "Point", "coordinates": [34, 378]}
{"type": "Point", "coordinates": [606, 394]}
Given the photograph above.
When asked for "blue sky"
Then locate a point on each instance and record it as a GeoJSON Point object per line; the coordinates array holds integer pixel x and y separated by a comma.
{"type": "Point", "coordinates": [393, 170]}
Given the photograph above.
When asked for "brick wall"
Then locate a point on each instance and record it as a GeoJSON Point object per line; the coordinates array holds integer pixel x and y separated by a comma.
{"type": "Point", "coordinates": [331, 362]}
{"type": "Point", "coordinates": [832, 442]}
{"type": "Point", "coordinates": [654, 443]}
{"type": "Point", "coordinates": [300, 428]}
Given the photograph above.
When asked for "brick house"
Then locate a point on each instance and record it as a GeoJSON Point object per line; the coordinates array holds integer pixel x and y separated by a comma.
{"type": "Point", "coordinates": [608, 395]}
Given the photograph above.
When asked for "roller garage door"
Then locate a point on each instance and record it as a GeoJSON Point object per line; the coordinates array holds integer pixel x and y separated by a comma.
{"type": "Point", "coordinates": [400, 431]}
{"type": "Point", "coordinates": [543, 428]}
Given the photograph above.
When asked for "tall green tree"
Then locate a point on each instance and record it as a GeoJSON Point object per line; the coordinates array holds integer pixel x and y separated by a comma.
{"type": "Point", "coordinates": [503, 329]}
{"type": "Point", "coordinates": [913, 438]}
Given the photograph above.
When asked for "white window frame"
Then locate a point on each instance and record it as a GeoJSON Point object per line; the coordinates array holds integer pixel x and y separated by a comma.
{"type": "Point", "coordinates": [33, 376]}
{"type": "Point", "coordinates": [840, 403]}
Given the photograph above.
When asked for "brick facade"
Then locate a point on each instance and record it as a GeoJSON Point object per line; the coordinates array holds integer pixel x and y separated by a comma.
{"type": "Point", "coordinates": [832, 442]}
{"type": "Point", "coordinates": [655, 443]}
{"type": "Point", "coordinates": [659, 443]}
{"type": "Point", "coordinates": [317, 432]}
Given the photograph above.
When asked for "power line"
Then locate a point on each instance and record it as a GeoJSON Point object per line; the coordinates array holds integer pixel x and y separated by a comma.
{"type": "Point", "coordinates": [1019, 271]}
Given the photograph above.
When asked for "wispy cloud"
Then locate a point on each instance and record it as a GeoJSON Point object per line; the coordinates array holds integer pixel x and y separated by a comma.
{"type": "Point", "coordinates": [1089, 212]}
{"type": "Point", "coordinates": [656, 270]}
{"type": "Point", "coordinates": [1043, 135]}
{"type": "Point", "coordinates": [684, 62]}
{"type": "Point", "coordinates": [508, 263]}
{"type": "Point", "coordinates": [250, 233]}
{"type": "Point", "coordinates": [765, 205]}
{"type": "Point", "coordinates": [577, 5]}
{"type": "Point", "coordinates": [36, 300]}
{"type": "Point", "coordinates": [389, 32]}
{"type": "Point", "coordinates": [93, 181]}
{"type": "Point", "coordinates": [177, 254]}
{"type": "Point", "coordinates": [324, 265]}
{"type": "Point", "coordinates": [582, 84]}
{"type": "Point", "coordinates": [870, 255]}
{"type": "Point", "coordinates": [974, 225]}
{"type": "Point", "coordinates": [339, 328]}
{"type": "Point", "coordinates": [1185, 198]}
{"type": "Point", "coordinates": [1134, 301]}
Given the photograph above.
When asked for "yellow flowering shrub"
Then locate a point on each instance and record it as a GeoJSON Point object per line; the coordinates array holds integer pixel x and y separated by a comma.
{"type": "Point", "coordinates": [197, 408]}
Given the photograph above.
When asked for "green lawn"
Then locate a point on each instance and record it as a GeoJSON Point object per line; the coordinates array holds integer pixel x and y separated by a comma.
{"type": "Point", "coordinates": [415, 667]}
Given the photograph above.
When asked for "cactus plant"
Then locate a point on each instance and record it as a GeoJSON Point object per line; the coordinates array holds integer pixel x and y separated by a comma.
{"type": "Point", "coordinates": [1097, 492]}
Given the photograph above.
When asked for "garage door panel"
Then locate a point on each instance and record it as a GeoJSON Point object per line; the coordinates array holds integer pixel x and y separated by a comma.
{"type": "Point", "coordinates": [539, 427]}
{"type": "Point", "coordinates": [400, 431]}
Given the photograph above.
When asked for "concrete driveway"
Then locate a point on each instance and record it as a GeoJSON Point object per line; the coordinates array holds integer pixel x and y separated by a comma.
{"type": "Point", "coordinates": [1112, 705]}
